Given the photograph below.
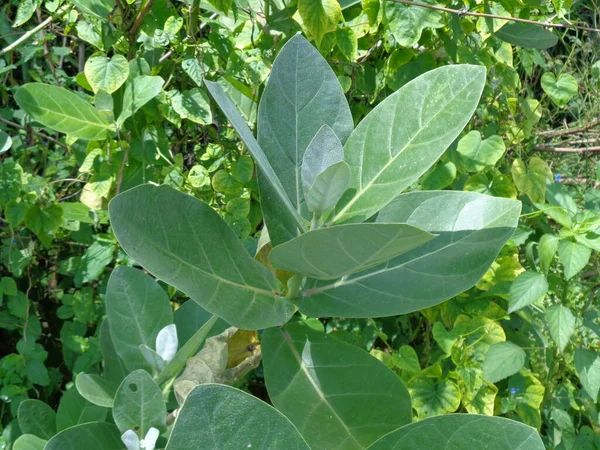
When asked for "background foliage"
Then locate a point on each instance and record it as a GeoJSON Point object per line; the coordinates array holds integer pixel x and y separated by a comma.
{"type": "Point", "coordinates": [523, 343]}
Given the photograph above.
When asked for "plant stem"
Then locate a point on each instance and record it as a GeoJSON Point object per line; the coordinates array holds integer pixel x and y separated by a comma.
{"type": "Point", "coordinates": [294, 284]}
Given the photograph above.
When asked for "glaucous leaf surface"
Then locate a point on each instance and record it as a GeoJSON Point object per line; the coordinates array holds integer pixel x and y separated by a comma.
{"type": "Point", "coordinates": [29, 442]}
{"type": "Point", "coordinates": [63, 111]}
{"type": "Point", "coordinates": [114, 369]}
{"type": "Point", "coordinates": [139, 91]}
{"type": "Point", "coordinates": [502, 360]}
{"type": "Point", "coordinates": [139, 404]}
{"type": "Point", "coordinates": [301, 96]}
{"type": "Point", "coordinates": [190, 317]}
{"type": "Point", "coordinates": [328, 188]}
{"type": "Point", "coordinates": [221, 417]}
{"type": "Point", "coordinates": [137, 309]}
{"type": "Point", "coordinates": [184, 242]}
{"type": "Point", "coordinates": [460, 432]}
{"type": "Point", "coordinates": [318, 382]}
{"type": "Point", "coordinates": [330, 253]}
{"type": "Point", "coordinates": [323, 150]}
{"type": "Point", "coordinates": [527, 36]}
{"type": "Point", "coordinates": [269, 178]}
{"type": "Point", "coordinates": [471, 229]}
{"type": "Point", "coordinates": [96, 389]}
{"type": "Point", "coordinates": [90, 436]}
{"type": "Point", "coordinates": [36, 418]}
{"type": "Point", "coordinates": [405, 135]}
{"type": "Point", "coordinates": [74, 410]}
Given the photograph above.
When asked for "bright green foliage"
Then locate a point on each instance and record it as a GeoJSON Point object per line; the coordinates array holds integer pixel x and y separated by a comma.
{"type": "Point", "coordinates": [561, 323]}
{"type": "Point", "coordinates": [225, 418]}
{"type": "Point", "coordinates": [138, 91]}
{"type": "Point", "coordinates": [406, 23]}
{"type": "Point", "coordinates": [526, 289]}
{"type": "Point", "coordinates": [319, 16]}
{"type": "Point", "coordinates": [339, 410]}
{"type": "Point", "coordinates": [478, 153]}
{"type": "Point", "coordinates": [560, 90]}
{"type": "Point", "coordinates": [587, 363]}
{"type": "Point", "coordinates": [106, 74]}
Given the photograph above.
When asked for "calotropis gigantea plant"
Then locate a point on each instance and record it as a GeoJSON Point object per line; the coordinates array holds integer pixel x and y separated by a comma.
{"type": "Point", "coordinates": [344, 240]}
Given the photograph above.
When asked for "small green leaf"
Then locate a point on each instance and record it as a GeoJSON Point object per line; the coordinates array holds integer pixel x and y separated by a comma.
{"type": "Point", "coordinates": [347, 42]}
{"type": "Point", "coordinates": [532, 180]}
{"type": "Point", "coordinates": [527, 35]}
{"type": "Point", "coordinates": [462, 431]}
{"type": "Point", "coordinates": [138, 92]}
{"type": "Point", "coordinates": [587, 363]}
{"type": "Point", "coordinates": [74, 409]}
{"type": "Point", "coordinates": [573, 256]}
{"type": "Point", "coordinates": [406, 22]}
{"type": "Point", "coordinates": [503, 360]}
{"type": "Point", "coordinates": [320, 16]}
{"type": "Point", "coordinates": [243, 169]}
{"type": "Point", "coordinates": [25, 10]}
{"type": "Point", "coordinates": [5, 142]}
{"type": "Point", "coordinates": [37, 418]}
{"type": "Point", "coordinates": [139, 404]}
{"type": "Point", "coordinates": [328, 188]}
{"type": "Point", "coordinates": [96, 389]}
{"type": "Point", "coordinates": [433, 398]}
{"type": "Point", "coordinates": [29, 442]}
{"type": "Point", "coordinates": [193, 105]}
{"type": "Point", "coordinates": [62, 111]}
{"type": "Point", "coordinates": [477, 154]}
{"type": "Point", "coordinates": [561, 323]}
{"type": "Point", "coordinates": [225, 418]}
{"type": "Point", "coordinates": [330, 253]}
{"type": "Point", "coordinates": [527, 288]}
{"type": "Point", "coordinates": [547, 250]}
{"type": "Point", "coordinates": [222, 181]}
{"type": "Point", "coordinates": [92, 436]}
{"type": "Point", "coordinates": [440, 177]}
{"type": "Point", "coordinates": [106, 74]}
{"type": "Point", "coordinates": [560, 90]}
{"type": "Point", "coordinates": [192, 67]}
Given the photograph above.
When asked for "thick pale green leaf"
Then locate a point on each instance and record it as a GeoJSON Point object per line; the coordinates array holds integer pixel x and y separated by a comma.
{"type": "Point", "coordinates": [479, 153]}
{"type": "Point", "coordinates": [527, 36]}
{"type": "Point", "coordinates": [138, 92]}
{"type": "Point", "coordinates": [302, 95]}
{"type": "Point", "coordinates": [106, 74]}
{"type": "Point", "coordinates": [587, 363]}
{"type": "Point", "coordinates": [74, 409]}
{"type": "Point", "coordinates": [405, 134]}
{"type": "Point", "coordinates": [460, 432]}
{"type": "Point", "coordinates": [406, 22]}
{"type": "Point", "coordinates": [320, 16]}
{"type": "Point", "coordinates": [184, 242]}
{"type": "Point", "coordinates": [139, 404]}
{"type": "Point", "coordinates": [29, 442]}
{"type": "Point", "coordinates": [318, 382]}
{"type": "Point", "coordinates": [330, 253]}
{"type": "Point", "coordinates": [526, 289]}
{"type": "Point", "coordinates": [573, 256]}
{"type": "Point", "coordinates": [471, 229]}
{"type": "Point", "coordinates": [114, 369]}
{"type": "Point", "coordinates": [547, 249]}
{"type": "Point", "coordinates": [190, 317]}
{"type": "Point", "coordinates": [63, 111]}
{"type": "Point", "coordinates": [90, 436]}
{"type": "Point", "coordinates": [96, 389]}
{"type": "Point", "coordinates": [328, 188]}
{"type": "Point", "coordinates": [561, 323]}
{"type": "Point", "coordinates": [221, 417]}
{"type": "Point", "coordinates": [269, 179]}
{"type": "Point", "coordinates": [137, 309]}
{"type": "Point", "coordinates": [502, 360]}
{"type": "Point", "coordinates": [193, 105]}
{"type": "Point", "coordinates": [324, 150]}
{"type": "Point", "coordinates": [5, 142]}
{"type": "Point", "coordinates": [37, 418]}
{"type": "Point", "coordinates": [560, 90]}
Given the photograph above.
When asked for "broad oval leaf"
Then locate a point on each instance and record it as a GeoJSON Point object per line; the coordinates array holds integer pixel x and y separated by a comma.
{"type": "Point", "coordinates": [324, 150]}
{"type": "Point", "coordinates": [318, 382]}
{"type": "Point", "coordinates": [137, 309]}
{"type": "Point", "coordinates": [527, 35]}
{"type": "Point", "coordinates": [62, 111]}
{"type": "Point", "coordinates": [29, 442]}
{"type": "Point", "coordinates": [96, 389]}
{"type": "Point", "coordinates": [502, 360]}
{"type": "Point", "coordinates": [91, 436]}
{"type": "Point", "coordinates": [460, 432]}
{"type": "Point", "coordinates": [405, 135]}
{"type": "Point", "coordinates": [74, 410]}
{"type": "Point", "coordinates": [301, 96]}
{"type": "Point", "coordinates": [37, 418]}
{"type": "Point", "coordinates": [330, 253]}
{"type": "Point", "coordinates": [184, 242]}
{"type": "Point", "coordinates": [219, 416]}
{"type": "Point", "coordinates": [139, 404]}
{"type": "Point", "coordinates": [328, 188]}
{"type": "Point", "coordinates": [471, 229]}
{"type": "Point", "coordinates": [106, 74]}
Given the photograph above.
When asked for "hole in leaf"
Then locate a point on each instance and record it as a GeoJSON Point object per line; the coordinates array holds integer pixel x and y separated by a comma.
{"type": "Point", "coordinates": [133, 387]}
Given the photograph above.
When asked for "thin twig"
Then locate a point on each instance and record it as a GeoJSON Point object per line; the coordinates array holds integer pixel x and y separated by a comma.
{"type": "Point", "coordinates": [568, 149]}
{"type": "Point", "coordinates": [33, 31]}
{"type": "Point", "coordinates": [37, 133]}
{"type": "Point", "coordinates": [571, 143]}
{"type": "Point", "coordinates": [555, 133]}
{"type": "Point", "coordinates": [464, 12]}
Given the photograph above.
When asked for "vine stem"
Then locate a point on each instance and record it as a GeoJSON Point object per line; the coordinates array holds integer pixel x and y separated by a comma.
{"type": "Point", "coordinates": [33, 31]}
{"type": "Point", "coordinates": [464, 12]}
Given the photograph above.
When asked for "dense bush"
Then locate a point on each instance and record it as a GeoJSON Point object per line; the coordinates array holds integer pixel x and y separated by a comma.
{"type": "Point", "coordinates": [472, 307]}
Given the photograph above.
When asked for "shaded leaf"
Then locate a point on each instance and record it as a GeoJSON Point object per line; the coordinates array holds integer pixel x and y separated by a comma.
{"type": "Point", "coordinates": [37, 418]}
{"type": "Point", "coordinates": [527, 35]}
{"type": "Point", "coordinates": [96, 389]}
{"type": "Point", "coordinates": [93, 436]}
